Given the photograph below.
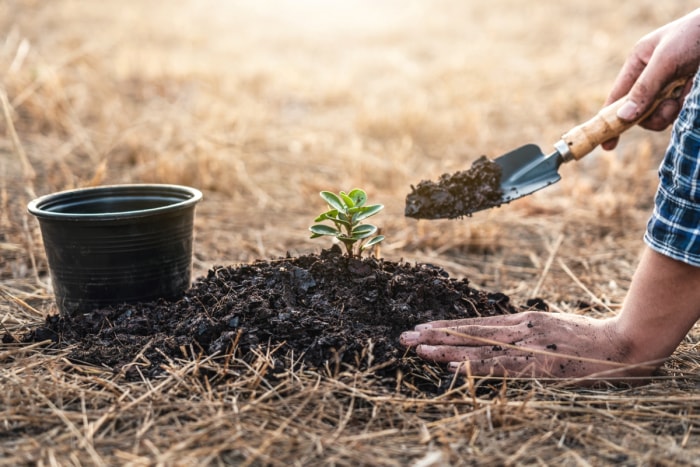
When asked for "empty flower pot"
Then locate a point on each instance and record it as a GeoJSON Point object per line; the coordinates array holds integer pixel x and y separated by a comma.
{"type": "Point", "coordinates": [117, 244]}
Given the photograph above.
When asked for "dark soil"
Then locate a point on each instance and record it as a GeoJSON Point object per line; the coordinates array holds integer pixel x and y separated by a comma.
{"type": "Point", "coordinates": [459, 194]}
{"type": "Point", "coordinates": [328, 310]}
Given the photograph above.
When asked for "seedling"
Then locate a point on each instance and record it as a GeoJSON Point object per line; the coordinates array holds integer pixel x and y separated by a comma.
{"type": "Point", "coordinates": [346, 211]}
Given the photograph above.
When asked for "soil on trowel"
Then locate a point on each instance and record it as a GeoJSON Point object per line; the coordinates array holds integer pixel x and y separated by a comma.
{"type": "Point", "coordinates": [327, 310]}
{"type": "Point", "coordinates": [459, 194]}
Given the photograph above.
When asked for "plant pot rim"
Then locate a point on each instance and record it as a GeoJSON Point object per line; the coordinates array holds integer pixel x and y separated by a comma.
{"type": "Point", "coordinates": [178, 197]}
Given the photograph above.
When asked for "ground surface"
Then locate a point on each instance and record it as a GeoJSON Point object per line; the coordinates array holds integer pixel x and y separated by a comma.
{"type": "Point", "coordinates": [328, 310]}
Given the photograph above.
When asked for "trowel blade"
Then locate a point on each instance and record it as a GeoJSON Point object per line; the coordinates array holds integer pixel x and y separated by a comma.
{"type": "Point", "coordinates": [526, 170]}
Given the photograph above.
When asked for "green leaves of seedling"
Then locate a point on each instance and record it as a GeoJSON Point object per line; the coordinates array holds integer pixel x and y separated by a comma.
{"type": "Point", "coordinates": [346, 211]}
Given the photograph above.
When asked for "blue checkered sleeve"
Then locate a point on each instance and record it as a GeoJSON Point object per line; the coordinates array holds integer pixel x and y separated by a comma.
{"type": "Point", "coordinates": [674, 227]}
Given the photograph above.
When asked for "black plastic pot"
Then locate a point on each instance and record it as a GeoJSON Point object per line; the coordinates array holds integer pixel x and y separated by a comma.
{"type": "Point", "coordinates": [117, 244]}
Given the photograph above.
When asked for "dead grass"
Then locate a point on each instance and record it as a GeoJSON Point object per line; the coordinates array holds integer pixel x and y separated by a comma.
{"type": "Point", "coordinates": [261, 105]}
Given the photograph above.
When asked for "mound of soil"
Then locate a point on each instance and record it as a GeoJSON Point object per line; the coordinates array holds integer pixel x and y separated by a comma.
{"type": "Point", "coordinates": [457, 195]}
{"type": "Point", "coordinates": [327, 309]}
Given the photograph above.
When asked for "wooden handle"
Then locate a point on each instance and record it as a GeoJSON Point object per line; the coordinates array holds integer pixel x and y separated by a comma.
{"type": "Point", "coordinates": [582, 139]}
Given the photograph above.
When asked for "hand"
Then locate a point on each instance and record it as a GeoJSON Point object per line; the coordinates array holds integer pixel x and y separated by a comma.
{"type": "Point", "coordinates": [668, 53]}
{"type": "Point", "coordinates": [528, 344]}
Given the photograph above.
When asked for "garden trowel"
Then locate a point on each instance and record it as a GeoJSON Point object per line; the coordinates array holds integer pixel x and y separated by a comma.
{"type": "Point", "coordinates": [528, 169]}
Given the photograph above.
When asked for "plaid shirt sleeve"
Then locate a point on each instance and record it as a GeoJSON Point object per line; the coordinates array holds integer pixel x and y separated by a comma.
{"type": "Point", "coordinates": [674, 227]}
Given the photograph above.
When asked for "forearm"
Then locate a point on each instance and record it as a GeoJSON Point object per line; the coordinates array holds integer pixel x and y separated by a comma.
{"type": "Point", "coordinates": [662, 305]}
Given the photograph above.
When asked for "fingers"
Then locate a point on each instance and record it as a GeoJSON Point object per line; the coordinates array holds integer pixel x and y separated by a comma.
{"type": "Point", "coordinates": [667, 111]}
{"type": "Point", "coordinates": [490, 361]}
{"type": "Point", "coordinates": [498, 320]}
{"type": "Point", "coordinates": [660, 119]}
{"type": "Point", "coordinates": [643, 94]}
{"type": "Point", "coordinates": [500, 362]}
{"type": "Point", "coordinates": [630, 85]}
{"type": "Point", "coordinates": [491, 330]}
{"type": "Point", "coordinates": [468, 335]}
{"type": "Point", "coordinates": [641, 79]}
{"type": "Point", "coordinates": [610, 144]}
{"type": "Point", "coordinates": [534, 366]}
{"type": "Point", "coordinates": [502, 366]}
{"type": "Point", "coordinates": [471, 331]}
{"type": "Point", "coordinates": [628, 75]}
{"type": "Point", "coordinates": [452, 353]}
{"type": "Point", "coordinates": [663, 116]}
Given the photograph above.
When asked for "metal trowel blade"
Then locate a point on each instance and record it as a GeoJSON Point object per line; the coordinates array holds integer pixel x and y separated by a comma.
{"type": "Point", "coordinates": [526, 170]}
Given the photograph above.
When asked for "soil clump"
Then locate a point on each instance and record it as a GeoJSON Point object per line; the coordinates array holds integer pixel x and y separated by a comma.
{"type": "Point", "coordinates": [327, 310]}
{"type": "Point", "coordinates": [459, 194]}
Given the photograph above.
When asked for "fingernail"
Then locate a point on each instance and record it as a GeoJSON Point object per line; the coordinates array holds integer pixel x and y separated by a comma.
{"type": "Point", "coordinates": [628, 110]}
{"type": "Point", "coordinates": [609, 145]}
{"type": "Point", "coordinates": [423, 327]}
{"type": "Point", "coordinates": [409, 338]}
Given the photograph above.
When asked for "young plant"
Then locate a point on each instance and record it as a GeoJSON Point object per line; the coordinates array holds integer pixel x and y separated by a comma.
{"type": "Point", "coordinates": [346, 211]}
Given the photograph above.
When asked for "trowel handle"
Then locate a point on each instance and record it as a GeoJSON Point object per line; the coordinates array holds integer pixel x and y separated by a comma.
{"type": "Point", "coordinates": [582, 139]}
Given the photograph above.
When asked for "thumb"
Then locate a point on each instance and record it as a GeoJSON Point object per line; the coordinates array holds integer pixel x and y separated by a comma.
{"type": "Point", "coordinates": [629, 110]}
{"type": "Point", "coordinates": [644, 91]}
{"type": "Point", "coordinates": [643, 96]}
{"type": "Point", "coordinates": [638, 100]}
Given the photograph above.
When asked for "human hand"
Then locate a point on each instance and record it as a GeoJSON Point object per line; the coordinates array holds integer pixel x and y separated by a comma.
{"type": "Point", "coordinates": [668, 53]}
{"type": "Point", "coordinates": [528, 344]}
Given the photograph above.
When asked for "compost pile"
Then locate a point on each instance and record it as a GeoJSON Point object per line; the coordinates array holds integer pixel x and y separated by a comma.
{"type": "Point", "coordinates": [326, 309]}
{"type": "Point", "coordinates": [459, 194]}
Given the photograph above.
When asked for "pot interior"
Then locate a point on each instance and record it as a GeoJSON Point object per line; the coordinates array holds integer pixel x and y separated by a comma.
{"type": "Point", "coordinates": [114, 201]}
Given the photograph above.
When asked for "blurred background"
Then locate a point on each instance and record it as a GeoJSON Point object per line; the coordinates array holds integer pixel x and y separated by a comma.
{"type": "Point", "coordinates": [263, 104]}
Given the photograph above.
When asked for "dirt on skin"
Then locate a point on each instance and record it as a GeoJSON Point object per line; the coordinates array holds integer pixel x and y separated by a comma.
{"type": "Point", "coordinates": [457, 195]}
{"type": "Point", "coordinates": [329, 310]}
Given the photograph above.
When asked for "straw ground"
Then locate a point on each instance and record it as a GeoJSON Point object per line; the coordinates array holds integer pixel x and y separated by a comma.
{"type": "Point", "coordinates": [263, 104]}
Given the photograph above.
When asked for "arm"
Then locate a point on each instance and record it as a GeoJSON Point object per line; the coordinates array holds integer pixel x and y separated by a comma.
{"type": "Point", "coordinates": [670, 52]}
{"type": "Point", "coordinates": [662, 305]}
{"type": "Point", "coordinates": [663, 302]}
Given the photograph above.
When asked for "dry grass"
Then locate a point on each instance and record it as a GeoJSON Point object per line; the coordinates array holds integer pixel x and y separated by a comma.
{"type": "Point", "coordinates": [261, 105]}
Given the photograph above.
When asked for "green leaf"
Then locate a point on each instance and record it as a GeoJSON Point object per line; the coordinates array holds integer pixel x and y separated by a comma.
{"type": "Point", "coordinates": [373, 241]}
{"type": "Point", "coordinates": [332, 214]}
{"type": "Point", "coordinates": [322, 229]}
{"type": "Point", "coordinates": [367, 211]}
{"type": "Point", "coordinates": [333, 200]}
{"type": "Point", "coordinates": [349, 202]}
{"type": "Point", "coordinates": [315, 235]}
{"type": "Point", "coordinates": [358, 196]}
{"type": "Point", "coordinates": [363, 231]}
